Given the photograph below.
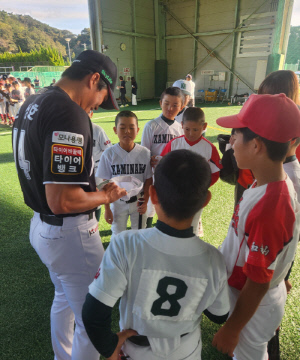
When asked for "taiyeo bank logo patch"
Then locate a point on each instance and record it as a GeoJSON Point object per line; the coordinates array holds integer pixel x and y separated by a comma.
{"type": "Point", "coordinates": [64, 137]}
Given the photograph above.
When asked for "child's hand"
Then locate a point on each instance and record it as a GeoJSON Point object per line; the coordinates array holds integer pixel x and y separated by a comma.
{"type": "Point", "coordinates": [155, 160]}
{"type": "Point", "coordinates": [141, 206]}
{"type": "Point", "coordinates": [225, 340]}
{"type": "Point", "coordinates": [108, 216]}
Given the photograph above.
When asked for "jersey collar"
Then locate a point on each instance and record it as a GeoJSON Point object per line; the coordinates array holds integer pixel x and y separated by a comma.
{"type": "Point", "coordinates": [191, 143]}
{"type": "Point", "coordinates": [166, 120]}
{"type": "Point", "coordinates": [166, 229]}
{"type": "Point", "coordinates": [290, 159]}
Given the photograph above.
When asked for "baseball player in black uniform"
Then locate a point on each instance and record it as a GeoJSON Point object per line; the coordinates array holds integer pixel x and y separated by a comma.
{"type": "Point", "coordinates": [53, 144]}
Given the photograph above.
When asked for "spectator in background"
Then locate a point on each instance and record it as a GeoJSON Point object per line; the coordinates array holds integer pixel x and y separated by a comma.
{"type": "Point", "coordinates": [133, 91]}
{"type": "Point", "coordinates": [36, 82]}
{"type": "Point", "coordinates": [122, 88]}
{"type": "Point", "coordinates": [28, 89]}
{"type": "Point", "coordinates": [53, 82]}
{"type": "Point", "coordinates": [192, 100]}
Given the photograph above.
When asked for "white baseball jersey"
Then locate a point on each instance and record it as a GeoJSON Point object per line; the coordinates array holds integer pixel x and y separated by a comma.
{"type": "Point", "coordinates": [100, 143]}
{"type": "Point", "coordinates": [179, 117]}
{"type": "Point", "coordinates": [263, 234]}
{"type": "Point", "coordinates": [116, 161]}
{"type": "Point", "coordinates": [292, 168]}
{"type": "Point", "coordinates": [157, 133]}
{"type": "Point", "coordinates": [164, 282]}
{"type": "Point", "coordinates": [202, 147]}
{"type": "Point", "coordinates": [193, 89]}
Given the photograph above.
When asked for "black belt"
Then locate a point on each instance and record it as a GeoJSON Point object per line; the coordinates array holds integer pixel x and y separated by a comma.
{"type": "Point", "coordinates": [56, 221]}
{"type": "Point", "coordinates": [142, 340]}
{"type": "Point", "coordinates": [133, 198]}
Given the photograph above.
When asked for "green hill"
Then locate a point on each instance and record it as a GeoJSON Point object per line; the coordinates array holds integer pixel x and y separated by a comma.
{"type": "Point", "coordinates": [25, 33]}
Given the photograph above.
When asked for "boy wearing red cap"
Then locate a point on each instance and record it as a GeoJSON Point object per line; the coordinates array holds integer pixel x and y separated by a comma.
{"type": "Point", "coordinates": [263, 234]}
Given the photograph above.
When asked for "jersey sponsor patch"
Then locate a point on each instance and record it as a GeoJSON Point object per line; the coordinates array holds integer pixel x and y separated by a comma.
{"type": "Point", "coordinates": [66, 160]}
{"type": "Point", "coordinates": [64, 137]}
{"type": "Point", "coordinates": [163, 295]}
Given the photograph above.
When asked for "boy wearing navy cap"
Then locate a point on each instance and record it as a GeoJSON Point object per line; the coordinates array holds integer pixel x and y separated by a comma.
{"type": "Point", "coordinates": [263, 234]}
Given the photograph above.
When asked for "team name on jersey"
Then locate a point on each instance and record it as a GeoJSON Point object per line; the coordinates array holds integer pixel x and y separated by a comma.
{"type": "Point", "coordinates": [126, 169]}
{"type": "Point", "coordinates": [163, 138]}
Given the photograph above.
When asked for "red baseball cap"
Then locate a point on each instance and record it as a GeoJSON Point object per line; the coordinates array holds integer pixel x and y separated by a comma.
{"type": "Point", "coordinates": [273, 117]}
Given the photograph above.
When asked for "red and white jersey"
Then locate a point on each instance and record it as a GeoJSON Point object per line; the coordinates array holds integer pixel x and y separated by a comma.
{"type": "Point", "coordinates": [263, 234]}
{"type": "Point", "coordinates": [292, 168]}
{"type": "Point", "coordinates": [201, 147]}
{"type": "Point", "coordinates": [157, 133]}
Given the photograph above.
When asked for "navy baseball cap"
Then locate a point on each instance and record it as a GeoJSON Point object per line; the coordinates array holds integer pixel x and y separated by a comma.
{"type": "Point", "coordinates": [96, 62]}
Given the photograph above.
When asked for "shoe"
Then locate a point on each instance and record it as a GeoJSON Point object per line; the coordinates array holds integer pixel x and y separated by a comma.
{"type": "Point", "coordinates": [121, 105]}
{"type": "Point", "coordinates": [126, 105]}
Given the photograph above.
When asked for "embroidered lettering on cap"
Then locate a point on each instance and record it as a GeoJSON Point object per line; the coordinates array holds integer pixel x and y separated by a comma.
{"type": "Point", "coordinates": [107, 77]}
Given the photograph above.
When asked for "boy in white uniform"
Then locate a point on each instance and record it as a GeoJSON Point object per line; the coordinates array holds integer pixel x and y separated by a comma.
{"type": "Point", "coordinates": [126, 158]}
{"type": "Point", "coordinates": [263, 235]}
{"type": "Point", "coordinates": [158, 132]}
{"type": "Point", "coordinates": [186, 88]}
{"type": "Point", "coordinates": [165, 276]}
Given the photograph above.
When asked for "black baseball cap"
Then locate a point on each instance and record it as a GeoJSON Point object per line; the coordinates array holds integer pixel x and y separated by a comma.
{"type": "Point", "coordinates": [95, 61]}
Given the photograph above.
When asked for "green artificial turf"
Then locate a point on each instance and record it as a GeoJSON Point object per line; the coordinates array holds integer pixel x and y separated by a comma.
{"type": "Point", "coordinates": [26, 290]}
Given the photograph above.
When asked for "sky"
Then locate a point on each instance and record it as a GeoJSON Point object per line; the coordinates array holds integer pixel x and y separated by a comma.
{"type": "Point", "coordinates": [73, 15]}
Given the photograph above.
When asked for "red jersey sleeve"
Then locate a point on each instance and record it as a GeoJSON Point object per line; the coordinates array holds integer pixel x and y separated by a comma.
{"type": "Point", "coordinates": [269, 227]}
{"type": "Point", "coordinates": [167, 149]}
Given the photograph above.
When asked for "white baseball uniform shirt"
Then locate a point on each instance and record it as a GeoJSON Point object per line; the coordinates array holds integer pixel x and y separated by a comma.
{"type": "Point", "coordinates": [116, 161]}
{"type": "Point", "coordinates": [157, 133]}
{"type": "Point", "coordinates": [179, 116]}
{"type": "Point", "coordinates": [164, 282]}
{"type": "Point", "coordinates": [292, 168]}
{"type": "Point", "coordinates": [100, 143]}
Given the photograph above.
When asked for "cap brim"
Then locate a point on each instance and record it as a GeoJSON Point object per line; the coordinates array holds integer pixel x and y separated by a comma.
{"type": "Point", "coordinates": [111, 102]}
{"type": "Point", "coordinates": [231, 122]}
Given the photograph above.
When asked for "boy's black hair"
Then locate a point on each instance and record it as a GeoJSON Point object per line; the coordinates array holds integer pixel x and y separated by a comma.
{"type": "Point", "coordinates": [275, 150]}
{"type": "Point", "coordinates": [127, 114]}
{"type": "Point", "coordinates": [173, 91]}
{"type": "Point", "coordinates": [121, 78]}
{"type": "Point", "coordinates": [194, 114]}
{"type": "Point", "coordinates": [182, 179]}
{"type": "Point", "coordinates": [27, 79]}
{"type": "Point", "coordinates": [78, 74]}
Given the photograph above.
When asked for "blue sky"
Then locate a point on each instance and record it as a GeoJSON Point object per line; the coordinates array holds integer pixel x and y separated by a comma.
{"type": "Point", "coordinates": [73, 15]}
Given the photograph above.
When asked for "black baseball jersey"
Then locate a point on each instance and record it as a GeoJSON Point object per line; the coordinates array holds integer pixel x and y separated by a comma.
{"type": "Point", "coordinates": [53, 144]}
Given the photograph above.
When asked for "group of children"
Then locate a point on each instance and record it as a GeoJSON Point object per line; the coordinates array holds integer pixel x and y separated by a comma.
{"type": "Point", "coordinates": [166, 276]}
{"type": "Point", "coordinates": [13, 92]}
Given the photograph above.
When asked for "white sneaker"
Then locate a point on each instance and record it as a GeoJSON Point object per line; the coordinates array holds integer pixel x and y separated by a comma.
{"type": "Point", "coordinates": [126, 105]}
{"type": "Point", "coordinates": [121, 105]}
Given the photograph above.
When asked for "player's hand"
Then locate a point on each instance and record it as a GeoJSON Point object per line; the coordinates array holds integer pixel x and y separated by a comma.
{"type": "Point", "coordinates": [142, 206]}
{"type": "Point", "coordinates": [288, 286]}
{"type": "Point", "coordinates": [113, 192]}
{"type": "Point", "coordinates": [123, 336]}
{"type": "Point", "coordinates": [225, 340]}
{"type": "Point", "coordinates": [108, 216]}
{"type": "Point", "coordinates": [155, 160]}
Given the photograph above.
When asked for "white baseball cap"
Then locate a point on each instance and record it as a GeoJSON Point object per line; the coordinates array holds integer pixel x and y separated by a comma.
{"type": "Point", "coordinates": [184, 85]}
{"type": "Point", "coordinates": [131, 184]}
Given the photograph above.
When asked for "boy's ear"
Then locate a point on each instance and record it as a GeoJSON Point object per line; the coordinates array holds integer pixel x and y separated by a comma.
{"type": "Point", "coordinates": [208, 198]}
{"type": "Point", "coordinates": [205, 126]}
{"type": "Point", "coordinates": [153, 195]}
{"type": "Point", "coordinates": [115, 129]}
{"type": "Point", "coordinates": [258, 145]}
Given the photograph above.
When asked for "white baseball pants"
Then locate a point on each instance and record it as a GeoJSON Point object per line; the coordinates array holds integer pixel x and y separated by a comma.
{"type": "Point", "coordinates": [133, 99]}
{"type": "Point", "coordinates": [189, 349]}
{"type": "Point", "coordinates": [72, 253]}
{"type": "Point", "coordinates": [121, 212]}
{"type": "Point", "coordinates": [261, 327]}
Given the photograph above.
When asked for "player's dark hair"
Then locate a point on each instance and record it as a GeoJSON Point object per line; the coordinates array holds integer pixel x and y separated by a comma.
{"type": "Point", "coordinates": [120, 77]}
{"type": "Point", "coordinates": [194, 114]}
{"type": "Point", "coordinates": [182, 179]}
{"type": "Point", "coordinates": [127, 114]}
{"type": "Point", "coordinates": [275, 150]}
{"type": "Point", "coordinates": [173, 91]}
{"type": "Point", "coordinates": [78, 74]}
{"type": "Point", "coordinates": [27, 79]}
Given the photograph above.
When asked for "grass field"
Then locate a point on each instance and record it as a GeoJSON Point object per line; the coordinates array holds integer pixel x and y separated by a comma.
{"type": "Point", "coordinates": [26, 290]}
